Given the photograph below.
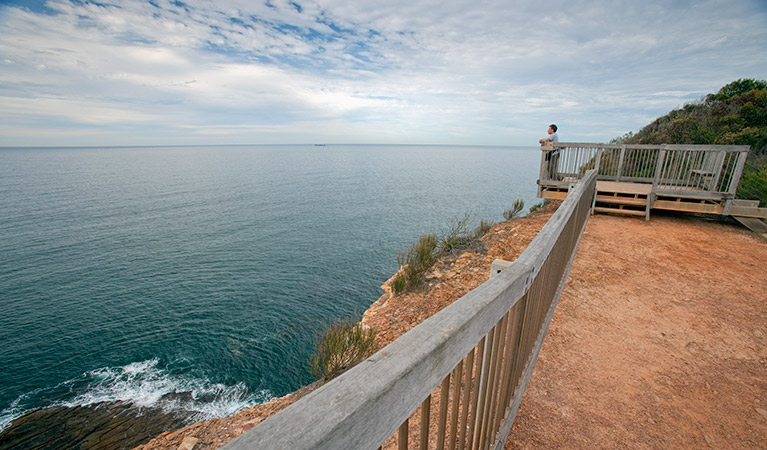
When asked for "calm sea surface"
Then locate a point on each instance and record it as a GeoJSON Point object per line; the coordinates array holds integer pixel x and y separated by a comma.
{"type": "Point", "coordinates": [129, 273]}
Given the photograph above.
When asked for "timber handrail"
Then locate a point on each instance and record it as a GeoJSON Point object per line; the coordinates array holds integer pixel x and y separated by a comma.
{"type": "Point", "coordinates": [478, 353]}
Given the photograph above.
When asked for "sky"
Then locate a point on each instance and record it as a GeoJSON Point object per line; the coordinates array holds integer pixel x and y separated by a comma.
{"type": "Point", "coordinates": [463, 72]}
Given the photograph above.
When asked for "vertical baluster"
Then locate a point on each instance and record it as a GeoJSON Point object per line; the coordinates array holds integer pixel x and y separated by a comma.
{"type": "Point", "coordinates": [444, 399]}
{"type": "Point", "coordinates": [425, 418]}
{"type": "Point", "coordinates": [467, 395]}
{"type": "Point", "coordinates": [513, 345]}
{"type": "Point", "coordinates": [504, 371]}
{"type": "Point", "coordinates": [485, 375]}
{"type": "Point", "coordinates": [497, 383]}
{"type": "Point", "coordinates": [642, 169]}
{"type": "Point", "coordinates": [402, 436]}
{"type": "Point", "coordinates": [475, 394]}
{"type": "Point", "coordinates": [457, 380]}
{"type": "Point", "coordinates": [492, 375]}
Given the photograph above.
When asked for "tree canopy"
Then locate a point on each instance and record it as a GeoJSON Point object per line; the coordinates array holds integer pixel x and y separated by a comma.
{"type": "Point", "coordinates": [736, 115]}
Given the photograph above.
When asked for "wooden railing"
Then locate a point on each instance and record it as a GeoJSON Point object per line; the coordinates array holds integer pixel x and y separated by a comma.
{"type": "Point", "coordinates": [671, 169]}
{"type": "Point", "coordinates": [456, 380]}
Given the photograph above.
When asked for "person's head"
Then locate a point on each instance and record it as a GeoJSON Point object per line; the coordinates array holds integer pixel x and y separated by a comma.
{"type": "Point", "coordinates": [552, 129]}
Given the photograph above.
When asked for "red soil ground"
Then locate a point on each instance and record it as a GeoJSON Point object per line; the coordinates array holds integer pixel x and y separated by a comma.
{"type": "Point", "coordinates": [659, 341]}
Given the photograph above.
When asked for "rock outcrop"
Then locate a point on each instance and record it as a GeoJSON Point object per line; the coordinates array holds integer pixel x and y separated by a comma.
{"type": "Point", "coordinates": [103, 426]}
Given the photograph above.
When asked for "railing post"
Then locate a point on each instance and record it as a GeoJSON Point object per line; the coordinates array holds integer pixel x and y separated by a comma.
{"type": "Point", "coordinates": [543, 171]}
{"type": "Point", "coordinates": [658, 168]}
{"type": "Point", "coordinates": [620, 162]}
{"type": "Point", "coordinates": [599, 160]}
{"type": "Point", "coordinates": [735, 180]}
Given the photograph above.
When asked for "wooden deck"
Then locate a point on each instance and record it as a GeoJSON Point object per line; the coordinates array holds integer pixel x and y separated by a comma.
{"type": "Point", "coordinates": [636, 179]}
{"type": "Point", "coordinates": [620, 187]}
{"type": "Point", "coordinates": [632, 198]}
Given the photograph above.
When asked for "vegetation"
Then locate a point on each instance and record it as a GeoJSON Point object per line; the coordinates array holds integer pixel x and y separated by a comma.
{"type": "Point", "coordinates": [415, 263]}
{"type": "Point", "coordinates": [341, 346]}
{"type": "Point", "coordinates": [515, 209]}
{"type": "Point", "coordinates": [753, 184]}
{"type": "Point", "coordinates": [482, 228]}
{"type": "Point", "coordinates": [536, 206]}
{"type": "Point", "coordinates": [736, 115]}
{"type": "Point", "coordinates": [422, 255]}
{"type": "Point", "coordinates": [457, 233]}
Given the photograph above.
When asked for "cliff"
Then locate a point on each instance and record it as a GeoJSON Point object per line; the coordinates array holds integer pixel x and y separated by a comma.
{"type": "Point", "coordinates": [658, 340]}
{"type": "Point", "coordinates": [452, 276]}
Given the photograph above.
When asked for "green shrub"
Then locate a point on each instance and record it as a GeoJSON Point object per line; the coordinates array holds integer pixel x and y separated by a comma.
{"type": "Point", "coordinates": [423, 254]}
{"type": "Point", "coordinates": [536, 206]}
{"type": "Point", "coordinates": [482, 228]}
{"type": "Point", "coordinates": [457, 233]}
{"type": "Point", "coordinates": [341, 346]}
{"type": "Point", "coordinates": [753, 183]}
{"type": "Point", "coordinates": [515, 209]}
{"type": "Point", "coordinates": [415, 263]}
{"type": "Point", "coordinates": [399, 283]}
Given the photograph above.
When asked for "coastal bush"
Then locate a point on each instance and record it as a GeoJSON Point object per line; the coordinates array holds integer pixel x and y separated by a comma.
{"type": "Point", "coordinates": [457, 233]}
{"type": "Point", "coordinates": [536, 206]}
{"type": "Point", "coordinates": [415, 263]}
{"type": "Point", "coordinates": [516, 208]}
{"type": "Point", "coordinates": [753, 184]}
{"type": "Point", "coordinates": [398, 283]}
{"type": "Point", "coordinates": [736, 115]}
{"type": "Point", "coordinates": [482, 228]}
{"type": "Point", "coordinates": [423, 254]}
{"type": "Point", "coordinates": [341, 346]}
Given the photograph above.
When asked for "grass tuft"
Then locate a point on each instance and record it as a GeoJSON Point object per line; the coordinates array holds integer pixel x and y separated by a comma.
{"type": "Point", "coordinates": [424, 253]}
{"type": "Point", "coordinates": [536, 206]}
{"type": "Point", "coordinates": [482, 228]}
{"type": "Point", "coordinates": [516, 208]}
{"type": "Point", "coordinates": [342, 345]}
{"type": "Point", "coordinates": [415, 263]}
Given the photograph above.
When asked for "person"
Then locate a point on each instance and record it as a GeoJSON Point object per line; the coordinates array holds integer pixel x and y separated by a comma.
{"type": "Point", "coordinates": [552, 156]}
{"type": "Point", "coordinates": [552, 135]}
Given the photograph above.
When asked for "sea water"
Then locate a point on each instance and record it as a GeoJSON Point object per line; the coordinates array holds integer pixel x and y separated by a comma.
{"type": "Point", "coordinates": [130, 273]}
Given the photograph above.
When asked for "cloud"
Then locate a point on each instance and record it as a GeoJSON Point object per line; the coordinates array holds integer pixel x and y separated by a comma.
{"type": "Point", "coordinates": [354, 71]}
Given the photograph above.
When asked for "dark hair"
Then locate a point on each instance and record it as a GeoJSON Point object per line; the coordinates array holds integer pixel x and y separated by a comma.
{"type": "Point", "coordinates": [553, 127]}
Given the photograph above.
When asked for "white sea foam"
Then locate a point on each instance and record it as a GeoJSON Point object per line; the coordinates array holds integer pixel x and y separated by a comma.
{"type": "Point", "coordinates": [14, 410]}
{"type": "Point", "coordinates": [144, 384]}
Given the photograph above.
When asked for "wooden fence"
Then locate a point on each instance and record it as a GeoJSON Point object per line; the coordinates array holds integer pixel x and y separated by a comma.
{"type": "Point", "coordinates": [456, 380]}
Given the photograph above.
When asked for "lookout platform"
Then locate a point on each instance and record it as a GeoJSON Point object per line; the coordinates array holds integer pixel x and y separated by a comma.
{"type": "Point", "coordinates": [635, 179]}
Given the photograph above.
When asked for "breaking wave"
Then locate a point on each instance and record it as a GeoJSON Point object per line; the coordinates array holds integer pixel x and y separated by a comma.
{"type": "Point", "coordinates": [145, 385]}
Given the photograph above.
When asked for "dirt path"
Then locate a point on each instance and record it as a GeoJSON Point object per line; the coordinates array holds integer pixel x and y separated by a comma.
{"type": "Point", "coordinates": [659, 341]}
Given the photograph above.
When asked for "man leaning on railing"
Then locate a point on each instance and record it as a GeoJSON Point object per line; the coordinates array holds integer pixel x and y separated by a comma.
{"type": "Point", "coordinates": [552, 154]}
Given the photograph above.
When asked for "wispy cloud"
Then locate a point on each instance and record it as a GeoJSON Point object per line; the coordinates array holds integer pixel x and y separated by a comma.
{"type": "Point", "coordinates": [487, 72]}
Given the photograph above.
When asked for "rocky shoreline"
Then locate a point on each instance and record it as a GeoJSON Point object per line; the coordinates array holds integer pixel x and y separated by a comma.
{"type": "Point", "coordinates": [110, 425]}
{"type": "Point", "coordinates": [115, 426]}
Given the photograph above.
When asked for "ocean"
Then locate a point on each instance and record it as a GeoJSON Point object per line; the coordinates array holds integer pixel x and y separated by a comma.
{"type": "Point", "coordinates": [130, 273]}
